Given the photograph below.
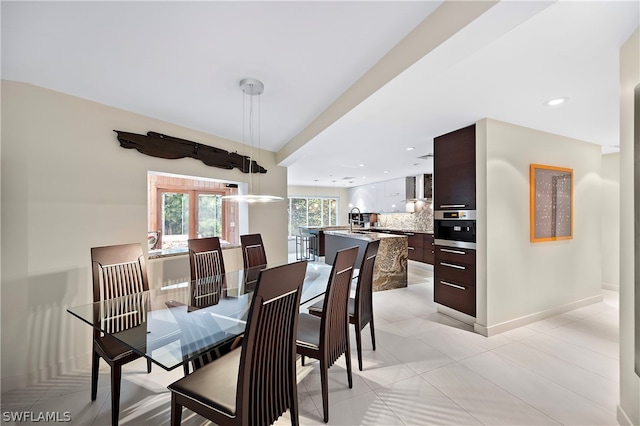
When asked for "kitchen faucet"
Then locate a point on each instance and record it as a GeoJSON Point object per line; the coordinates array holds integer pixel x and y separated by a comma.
{"type": "Point", "coordinates": [350, 220]}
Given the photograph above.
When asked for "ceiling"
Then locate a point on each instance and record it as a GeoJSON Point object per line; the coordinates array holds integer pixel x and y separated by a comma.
{"type": "Point", "coordinates": [349, 86]}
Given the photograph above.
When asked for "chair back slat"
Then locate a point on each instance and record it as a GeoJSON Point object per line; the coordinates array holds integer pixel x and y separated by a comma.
{"type": "Point", "coordinates": [208, 264]}
{"type": "Point", "coordinates": [334, 325]}
{"type": "Point", "coordinates": [267, 379]}
{"type": "Point", "coordinates": [207, 271]}
{"type": "Point", "coordinates": [119, 280]}
{"type": "Point", "coordinates": [124, 312]}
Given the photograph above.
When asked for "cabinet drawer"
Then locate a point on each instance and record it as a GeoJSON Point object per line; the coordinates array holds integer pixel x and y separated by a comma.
{"type": "Point", "coordinates": [459, 256]}
{"type": "Point", "coordinates": [459, 297]}
{"type": "Point", "coordinates": [455, 273]}
{"type": "Point", "coordinates": [415, 253]}
{"type": "Point", "coordinates": [415, 240]}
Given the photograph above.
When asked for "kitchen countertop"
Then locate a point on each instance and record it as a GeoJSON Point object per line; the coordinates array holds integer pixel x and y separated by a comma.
{"type": "Point", "coordinates": [362, 235]}
{"type": "Point", "coordinates": [374, 229]}
{"type": "Point", "coordinates": [390, 268]}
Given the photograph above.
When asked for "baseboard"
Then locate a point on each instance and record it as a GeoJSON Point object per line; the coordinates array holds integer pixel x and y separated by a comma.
{"type": "Point", "coordinates": [611, 287]}
{"type": "Point", "coordinates": [46, 373]}
{"type": "Point", "coordinates": [467, 319]}
{"type": "Point", "coordinates": [528, 319]}
{"type": "Point", "coordinates": [622, 417]}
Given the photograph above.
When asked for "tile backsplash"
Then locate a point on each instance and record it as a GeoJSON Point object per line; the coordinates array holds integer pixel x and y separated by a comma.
{"type": "Point", "coordinates": [420, 220]}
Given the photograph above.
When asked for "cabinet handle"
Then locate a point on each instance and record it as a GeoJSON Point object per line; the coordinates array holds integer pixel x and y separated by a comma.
{"type": "Point", "coordinates": [450, 265]}
{"type": "Point", "coordinates": [453, 251]}
{"type": "Point", "coordinates": [459, 287]}
{"type": "Point", "coordinates": [410, 248]}
{"type": "Point", "coordinates": [409, 233]}
{"type": "Point", "coordinates": [447, 206]}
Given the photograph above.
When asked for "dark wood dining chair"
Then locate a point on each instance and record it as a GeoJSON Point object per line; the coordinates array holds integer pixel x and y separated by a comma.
{"type": "Point", "coordinates": [256, 383]}
{"type": "Point", "coordinates": [253, 256]}
{"type": "Point", "coordinates": [360, 306]}
{"type": "Point", "coordinates": [117, 271]}
{"type": "Point", "coordinates": [253, 253]}
{"type": "Point", "coordinates": [326, 338]}
{"type": "Point", "coordinates": [207, 270]}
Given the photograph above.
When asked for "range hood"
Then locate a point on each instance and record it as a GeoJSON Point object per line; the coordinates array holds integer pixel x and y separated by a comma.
{"type": "Point", "coordinates": [419, 188]}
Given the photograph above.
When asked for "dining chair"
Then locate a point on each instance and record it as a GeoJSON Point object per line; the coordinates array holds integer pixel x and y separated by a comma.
{"type": "Point", "coordinates": [253, 256]}
{"type": "Point", "coordinates": [326, 338]}
{"type": "Point", "coordinates": [255, 383]}
{"type": "Point", "coordinates": [207, 270]}
{"type": "Point", "coordinates": [118, 271]}
{"type": "Point", "coordinates": [253, 253]}
{"type": "Point", "coordinates": [360, 306]}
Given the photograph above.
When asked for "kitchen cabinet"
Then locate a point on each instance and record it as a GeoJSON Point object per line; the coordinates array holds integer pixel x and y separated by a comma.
{"type": "Point", "coordinates": [394, 196]}
{"type": "Point", "coordinates": [454, 170]}
{"type": "Point", "coordinates": [419, 244]}
{"type": "Point", "coordinates": [455, 278]}
{"type": "Point", "coordinates": [415, 244]}
{"type": "Point", "coordinates": [364, 197]}
{"type": "Point", "coordinates": [428, 250]}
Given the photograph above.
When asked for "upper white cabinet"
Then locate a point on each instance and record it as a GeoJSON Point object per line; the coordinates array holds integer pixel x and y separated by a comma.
{"type": "Point", "coordinates": [381, 197]}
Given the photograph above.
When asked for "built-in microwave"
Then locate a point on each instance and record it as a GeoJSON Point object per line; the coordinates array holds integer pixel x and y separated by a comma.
{"type": "Point", "coordinates": [455, 228]}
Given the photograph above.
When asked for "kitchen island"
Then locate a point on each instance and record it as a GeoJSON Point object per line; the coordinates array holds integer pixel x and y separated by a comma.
{"type": "Point", "coordinates": [390, 270]}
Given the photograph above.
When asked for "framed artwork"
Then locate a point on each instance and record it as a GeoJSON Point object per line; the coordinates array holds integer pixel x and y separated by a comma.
{"type": "Point", "coordinates": [551, 203]}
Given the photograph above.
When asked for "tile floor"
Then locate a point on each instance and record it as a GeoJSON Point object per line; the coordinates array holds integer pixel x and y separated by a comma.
{"type": "Point", "coordinates": [427, 369]}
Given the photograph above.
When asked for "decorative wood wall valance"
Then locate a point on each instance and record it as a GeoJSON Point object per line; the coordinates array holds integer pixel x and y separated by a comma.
{"type": "Point", "coordinates": [163, 146]}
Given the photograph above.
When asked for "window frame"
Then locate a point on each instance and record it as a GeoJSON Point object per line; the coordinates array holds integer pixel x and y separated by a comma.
{"type": "Point", "coordinates": [307, 198]}
{"type": "Point", "coordinates": [193, 186]}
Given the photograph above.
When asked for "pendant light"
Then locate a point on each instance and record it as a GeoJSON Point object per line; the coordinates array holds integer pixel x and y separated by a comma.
{"type": "Point", "coordinates": [251, 89]}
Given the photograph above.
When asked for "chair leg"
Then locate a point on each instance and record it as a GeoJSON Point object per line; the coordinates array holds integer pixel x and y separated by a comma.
{"type": "Point", "coordinates": [349, 376]}
{"type": "Point", "coordinates": [116, 376]}
{"type": "Point", "coordinates": [324, 383]}
{"type": "Point", "coordinates": [373, 334]}
{"type": "Point", "coordinates": [95, 366]}
{"type": "Point", "coordinates": [293, 410]}
{"type": "Point", "coordinates": [148, 365]}
{"type": "Point", "coordinates": [359, 346]}
{"type": "Point", "coordinates": [302, 360]}
{"type": "Point", "coordinates": [185, 367]}
{"type": "Point", "coordinates": [176, 411]}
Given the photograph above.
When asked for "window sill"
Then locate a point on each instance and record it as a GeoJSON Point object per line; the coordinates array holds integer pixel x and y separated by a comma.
{"type": "Point", "coordinates": [158, 254]}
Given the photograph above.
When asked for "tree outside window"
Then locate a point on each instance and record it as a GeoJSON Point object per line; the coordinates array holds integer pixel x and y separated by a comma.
{"type": "Point", "coordinates": [311, 211]}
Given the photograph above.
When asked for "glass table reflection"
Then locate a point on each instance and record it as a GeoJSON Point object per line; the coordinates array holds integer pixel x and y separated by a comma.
{"type": "Point", "coordinates": [175, 324]}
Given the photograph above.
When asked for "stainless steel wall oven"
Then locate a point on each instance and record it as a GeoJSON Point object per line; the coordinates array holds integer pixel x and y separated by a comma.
{"type": "Point", "coordinates": [455, 228]}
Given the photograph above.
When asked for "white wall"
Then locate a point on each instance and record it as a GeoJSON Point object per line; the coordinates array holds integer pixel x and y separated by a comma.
{"type": "Point", "coordinates": [524, 281]}
{"type": "Point", "coordinates": [610, 207]}
{"type": "Point", "coordinates": [67, 185]}
{"type": "Point", "coordinates": [629, 408]}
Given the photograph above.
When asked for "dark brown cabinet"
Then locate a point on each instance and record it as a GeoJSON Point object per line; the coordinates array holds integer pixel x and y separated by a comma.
{"type": "Point", "coordinates": [419, 244]}
{"type": "Point", "coordinates": [428, 251]}
{"type": "Point", "coordinates": [414, 245]}
{"type": "Point", "coordinates": [454, 188]}
{"type": "Point", "coordinates": [455, 278]}
{"type": "Point", "coordinates": [454, 170]}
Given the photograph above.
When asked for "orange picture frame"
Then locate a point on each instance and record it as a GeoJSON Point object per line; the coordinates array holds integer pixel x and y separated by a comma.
{"type": "Point", "coordinates": [551, 203]}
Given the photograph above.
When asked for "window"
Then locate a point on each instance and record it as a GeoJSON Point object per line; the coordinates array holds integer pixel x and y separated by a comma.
{"type": "Point", "coordinates": [312, 211]}
{"type": "Point", "coordinates": [182, 207]}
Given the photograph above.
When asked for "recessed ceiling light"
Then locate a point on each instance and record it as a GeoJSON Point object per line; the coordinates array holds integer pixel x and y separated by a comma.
{"type": "Point", "coordinates": [361, 164]}
{"type": "Point", "coordinates": [386, 171]}
{"type": "Point", "coordinates": [411, 148]}
{"type": "Point", "coordinates": [556, 101]}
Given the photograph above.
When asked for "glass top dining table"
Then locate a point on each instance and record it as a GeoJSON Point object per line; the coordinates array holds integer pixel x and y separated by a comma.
{"type": "Point", "coordinates": [175, 324]}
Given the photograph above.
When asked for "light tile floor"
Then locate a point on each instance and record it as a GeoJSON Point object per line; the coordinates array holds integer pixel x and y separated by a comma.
{"type": "Point", "coordinates": [427, 369]}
